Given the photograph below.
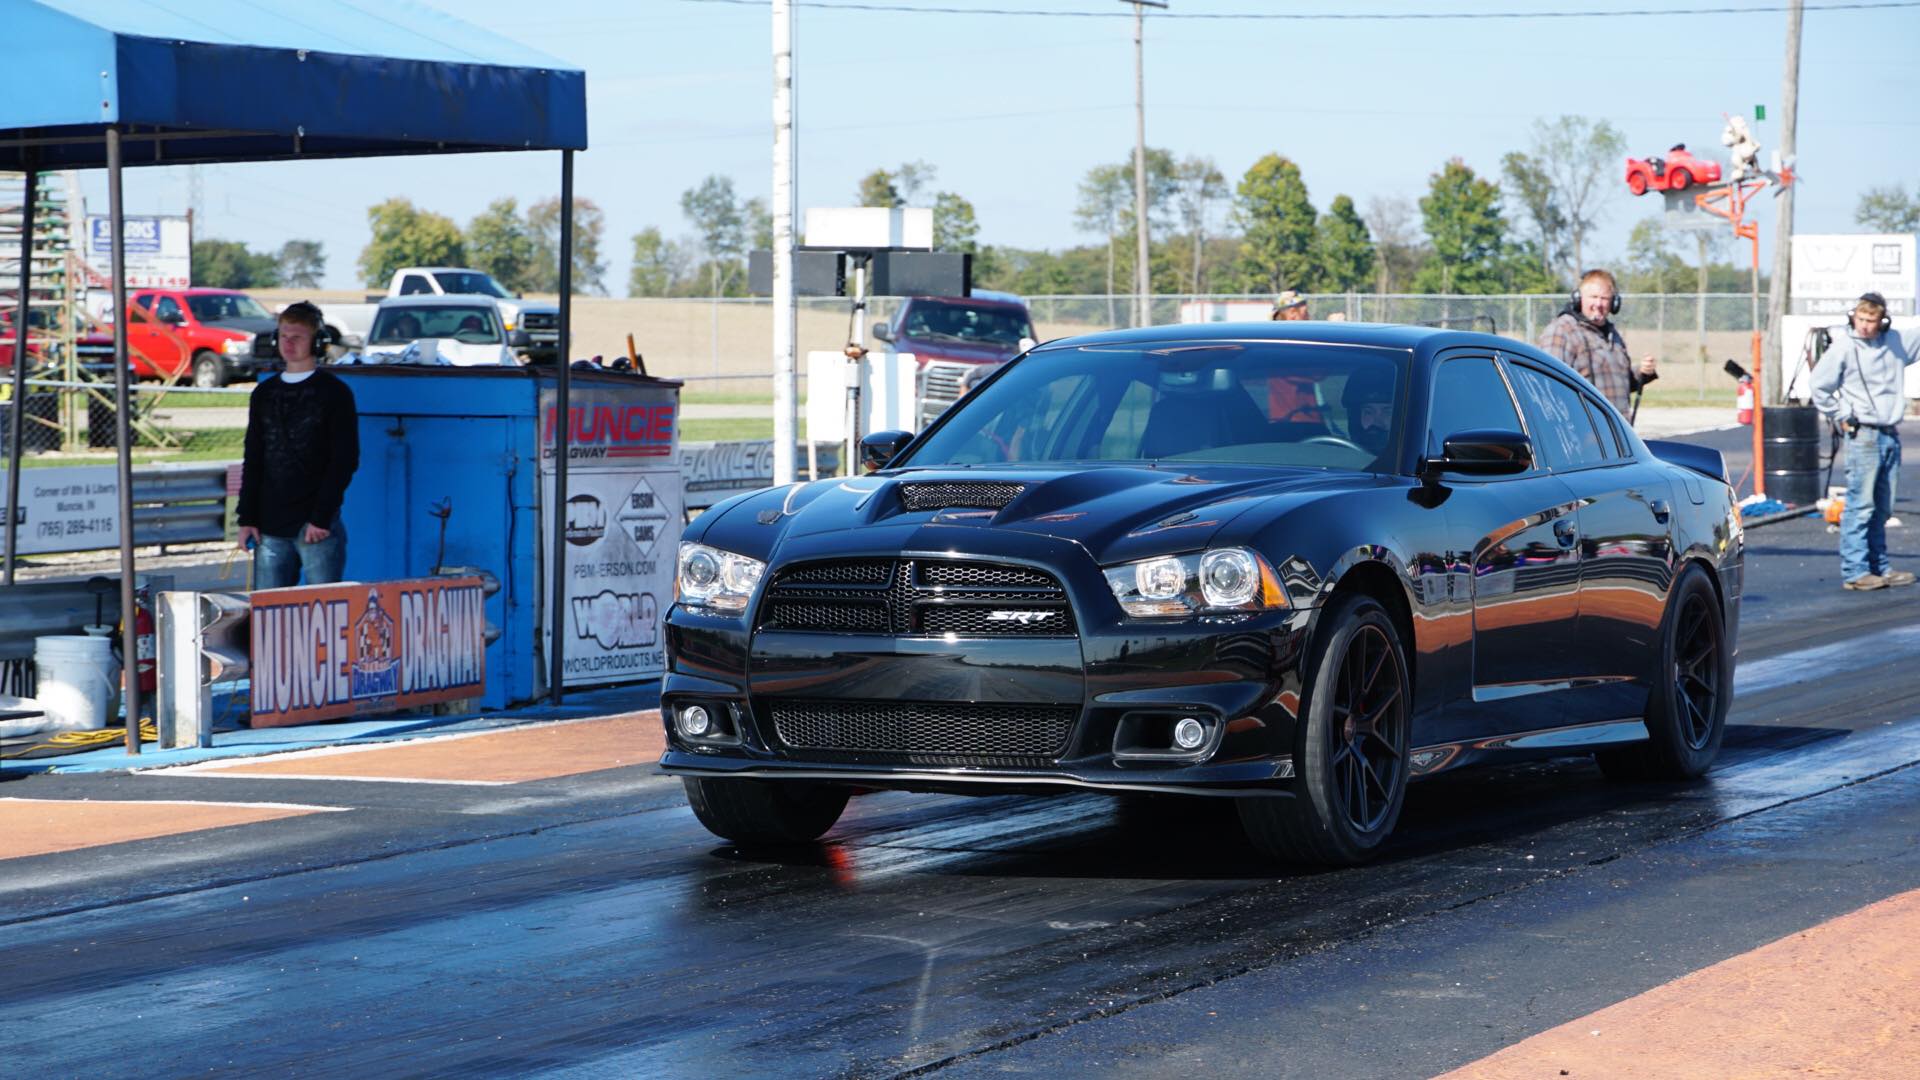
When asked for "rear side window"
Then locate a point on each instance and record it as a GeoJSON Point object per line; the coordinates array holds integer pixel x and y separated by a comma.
{"type": "Point", "coordinates": [1469, 395]}
{"type": "Point", "coordinates": [1562, 430]}
{"type": "Point", "coordinates": [414, 285]}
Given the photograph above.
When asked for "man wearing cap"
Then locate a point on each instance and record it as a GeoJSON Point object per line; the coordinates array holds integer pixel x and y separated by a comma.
{"type": "Point", "coordinates": [1858, 384]}
{"type": "Point", "coordinates": [1289, 306]}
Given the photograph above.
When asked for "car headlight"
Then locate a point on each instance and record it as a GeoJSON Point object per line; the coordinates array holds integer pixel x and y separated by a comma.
{"type": "Point", "coordinates": [1176, 586]}
{"type": "Point", "coordinates": [237, 347]}
{"type": "Point", "coordinates": [716, 580]}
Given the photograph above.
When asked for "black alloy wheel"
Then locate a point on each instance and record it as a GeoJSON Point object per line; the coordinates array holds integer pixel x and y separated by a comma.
{"type": "Point", "coordinates": [1690, 692]}
{"type": "Point", "coordinates": [1350, 759]}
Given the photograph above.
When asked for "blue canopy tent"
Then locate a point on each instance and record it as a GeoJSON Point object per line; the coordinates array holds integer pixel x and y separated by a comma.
{"type": "Point", "coordinates": [119, 83]}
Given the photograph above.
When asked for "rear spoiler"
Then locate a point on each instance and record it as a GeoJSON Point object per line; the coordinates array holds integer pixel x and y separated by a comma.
{"type": "Point", "coordinates": [1703, 460]}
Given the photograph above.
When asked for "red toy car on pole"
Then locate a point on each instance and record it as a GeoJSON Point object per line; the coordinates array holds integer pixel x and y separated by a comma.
{"type": "Point", "coordinates": [1677, 171]}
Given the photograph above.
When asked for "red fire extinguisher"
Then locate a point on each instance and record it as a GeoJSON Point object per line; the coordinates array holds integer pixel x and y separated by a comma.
{"type": "Point", "coordinates": [143, 643]}
{"type": "Point", "coordinates": [1743, 400]}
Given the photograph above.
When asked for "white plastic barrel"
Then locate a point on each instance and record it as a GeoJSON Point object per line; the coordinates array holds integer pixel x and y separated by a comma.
{"type": "Point", "coordinates": [77, 681]}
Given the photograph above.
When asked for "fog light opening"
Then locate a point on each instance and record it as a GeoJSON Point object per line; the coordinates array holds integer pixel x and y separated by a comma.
{"type": "Point", "coordinates": [1189, 734]}
{"type": "Point", "coordinates": [695, 721]}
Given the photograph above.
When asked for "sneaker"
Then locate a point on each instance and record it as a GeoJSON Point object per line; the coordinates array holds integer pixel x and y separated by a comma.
{"type": "Point", "coordinates": [1893, 523]}
{"type": "Point", "coordinates": [1897, 577]}
{"type": "Point", "coordinates": [1865, 582]}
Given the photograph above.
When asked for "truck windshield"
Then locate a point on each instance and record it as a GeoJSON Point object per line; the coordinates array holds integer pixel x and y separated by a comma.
{"type": "Point", "coordinates": [469, 283]}
{"type": "Point", "coordinates": [966, 322]}
{"type": "Point", "coordinates": [469, 324]}
{"type": "Point", "coordinates": [221, 308]}
{"type": "Point", "coordinates": [1248, 403]}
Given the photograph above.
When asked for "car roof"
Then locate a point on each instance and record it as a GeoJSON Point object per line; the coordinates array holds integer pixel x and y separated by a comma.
{"type": "Point", "coordinates": [437, 300]}
{"type": "Point", "coordinates": [197, 290]}
{"type": "Point", "coordinates": [980, 298]}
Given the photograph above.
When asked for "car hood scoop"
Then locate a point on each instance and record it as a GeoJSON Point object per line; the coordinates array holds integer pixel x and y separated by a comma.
{"type": "Point", "coordinates": [961, 494]}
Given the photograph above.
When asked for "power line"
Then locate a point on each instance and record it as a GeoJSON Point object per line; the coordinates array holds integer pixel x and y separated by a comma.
{"type": "Point", "coordinates": [1319, 16]}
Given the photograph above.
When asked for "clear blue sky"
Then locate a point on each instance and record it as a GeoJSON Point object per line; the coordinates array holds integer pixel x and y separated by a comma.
{"type": "Point", "coordinates": [1012, 109]}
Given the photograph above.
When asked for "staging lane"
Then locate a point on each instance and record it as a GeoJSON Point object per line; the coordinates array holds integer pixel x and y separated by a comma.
{"type": "Point", "coordinates": [597, 936]}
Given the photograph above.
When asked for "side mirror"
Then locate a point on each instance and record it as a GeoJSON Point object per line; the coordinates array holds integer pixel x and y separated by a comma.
{"type": "Point", "coordinates": [1484, 453]}
{"type": "Point", "coordinates": [519, 339]}
{"type": "Point", "coordinates": [881, 332]}
{"type": "Point", "coordinates": [881, 447]}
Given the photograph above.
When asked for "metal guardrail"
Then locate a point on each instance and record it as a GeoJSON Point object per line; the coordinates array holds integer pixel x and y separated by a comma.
{"type": "Point", "coordinates": [179, 504]}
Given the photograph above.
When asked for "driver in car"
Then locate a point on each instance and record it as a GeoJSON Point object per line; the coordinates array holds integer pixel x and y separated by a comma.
{"type": "Point", "coordinates": [1368, 399]}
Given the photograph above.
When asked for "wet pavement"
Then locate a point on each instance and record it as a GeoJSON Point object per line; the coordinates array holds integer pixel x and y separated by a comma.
{"type": "Point", "coordinates": [430, 917]}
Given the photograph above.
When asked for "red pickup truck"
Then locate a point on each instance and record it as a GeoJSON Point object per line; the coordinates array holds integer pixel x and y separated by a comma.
{"type": "Point", "coordinates": [204, 336]}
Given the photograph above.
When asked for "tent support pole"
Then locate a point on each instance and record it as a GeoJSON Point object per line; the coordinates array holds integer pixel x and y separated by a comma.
{"type": "Point", "coordinates": [17, 428]}
{"type": "Point", "coordinates": [123, 441]}
{"type": "Point", "coordinates": [563, 432]}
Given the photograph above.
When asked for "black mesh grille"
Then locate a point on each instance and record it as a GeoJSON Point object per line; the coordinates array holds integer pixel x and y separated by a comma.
{"type": "Point", "coordinates": [975, 494]}
{"type": "Point", "coordinates": [998, 621]}
{"type": "Point", "coordinates": [857, 572]}
{"type": "Point", "coordinates": [1036, 733]}
{"type": "Point", "coordinates": [844, 617]}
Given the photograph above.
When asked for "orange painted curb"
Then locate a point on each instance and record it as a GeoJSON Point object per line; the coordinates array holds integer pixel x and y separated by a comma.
{"type": "Point", "coordinates": [44, 826]}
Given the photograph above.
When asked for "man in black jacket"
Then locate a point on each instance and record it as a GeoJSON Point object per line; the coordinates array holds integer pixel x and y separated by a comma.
{"type": "Point", "coordinates": [303, 444]}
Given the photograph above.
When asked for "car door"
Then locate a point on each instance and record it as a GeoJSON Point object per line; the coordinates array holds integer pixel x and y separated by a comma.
{"type": "Point", "coordinates": [1515, 542]}
{"type": "Point", "coordinates": [165, 343]}
{"type": "Point", "coordinates": [1625, 541]}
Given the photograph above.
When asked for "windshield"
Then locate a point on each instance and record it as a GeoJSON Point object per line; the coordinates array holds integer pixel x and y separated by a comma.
{"type": "Point", "coordinates": [470, 283]}
{"type": "Point", "coordinates": [470, 324]}
{"type": "Point", "coordinates": [961, 322]}
{"type": "Point", "coordinates": [1334, 407]}
{"type": "Point", "coordinates": [220, 308]}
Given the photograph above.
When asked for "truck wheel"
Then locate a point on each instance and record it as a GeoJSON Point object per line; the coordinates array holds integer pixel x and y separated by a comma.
{"type": "Point", "coordinates": [767, 813]}
{"type": "Point", "coordinates": [209, 371]}
{"type": "Point", "coordinates": [1678, 179]}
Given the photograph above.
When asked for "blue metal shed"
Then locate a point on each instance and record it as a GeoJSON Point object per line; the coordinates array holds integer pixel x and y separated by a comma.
{"type": "Point", "coordinates": [120, 83]}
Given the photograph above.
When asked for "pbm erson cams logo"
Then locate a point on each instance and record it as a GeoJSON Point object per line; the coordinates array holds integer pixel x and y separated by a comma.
{"type": "Point", "coordinates": [586, 520]}
{"type": "Point", "coordinates": [1023, 618]}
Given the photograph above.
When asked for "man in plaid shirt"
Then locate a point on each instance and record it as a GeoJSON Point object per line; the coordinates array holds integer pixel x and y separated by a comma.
{"type": "Point", "coordinates": [1584, 338]}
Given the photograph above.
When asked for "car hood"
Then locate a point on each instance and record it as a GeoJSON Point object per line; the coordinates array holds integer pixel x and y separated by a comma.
{"type": "Point", "coordinates": [1115, 513]}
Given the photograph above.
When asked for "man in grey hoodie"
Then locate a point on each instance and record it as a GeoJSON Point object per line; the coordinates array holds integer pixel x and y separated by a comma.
{"type": "Point", "coordinates": [1858, 383]}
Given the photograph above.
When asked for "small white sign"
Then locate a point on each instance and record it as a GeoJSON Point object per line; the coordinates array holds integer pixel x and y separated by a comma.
{"type": "Point", "coordinates": [65, 509]}
{"type": "Point", "coordinates": [1838, 268]}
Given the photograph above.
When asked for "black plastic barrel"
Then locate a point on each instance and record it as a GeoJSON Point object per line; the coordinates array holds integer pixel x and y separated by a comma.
{"type": "Point", "coordinates": [1793, 435]}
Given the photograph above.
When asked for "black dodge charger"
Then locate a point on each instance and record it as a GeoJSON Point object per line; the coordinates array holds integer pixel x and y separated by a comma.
{"type": "Point", "coordinates": [1293, 564]}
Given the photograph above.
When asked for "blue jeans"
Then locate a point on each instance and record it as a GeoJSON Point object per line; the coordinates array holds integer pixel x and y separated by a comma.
{"type": "Point", "coordinates": [1873, 456]}
{"type": "Point", "coordinates": [278, 560]}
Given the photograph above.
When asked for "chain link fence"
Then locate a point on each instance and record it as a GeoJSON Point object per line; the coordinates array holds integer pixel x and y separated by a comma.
{"type": "Point", "coordinates": [74, 423]}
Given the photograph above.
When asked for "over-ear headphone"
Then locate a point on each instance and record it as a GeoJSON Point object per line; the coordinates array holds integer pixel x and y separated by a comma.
{"type": "Point", "coordinates": [1613, 308]}
{"type": "Point", "coordinates": [1874, 298]}
{"type": "Point", "coordinates": [303, 310]}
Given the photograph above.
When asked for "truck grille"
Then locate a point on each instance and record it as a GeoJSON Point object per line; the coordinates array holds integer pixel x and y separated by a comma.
{"type": "Point", "coordinates": [917, 598]}
{"type": "Point", "coordinates": [540, 320]}
{"type": "Point", "coordinates": [940, 386]}
{"type": "Point", "coordinates": [946, 733]}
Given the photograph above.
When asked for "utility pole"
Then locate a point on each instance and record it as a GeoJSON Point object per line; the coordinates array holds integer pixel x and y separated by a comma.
{"type": "Point", "coordinates": [785, 421]}
{"type": "Point", "coordinates": [1783, 231]}
{"type": "Point", "coordinates": [1142, 313]}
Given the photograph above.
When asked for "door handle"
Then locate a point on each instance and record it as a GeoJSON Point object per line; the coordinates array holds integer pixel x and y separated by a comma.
{"type": "Point", "coordinates": [1566, 531]}
{"type": "Point", "coordinates": [1661, 511]}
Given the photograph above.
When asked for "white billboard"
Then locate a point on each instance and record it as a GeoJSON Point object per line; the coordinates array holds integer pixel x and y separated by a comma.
{"type": "Point", "coordinates": [1830, 271]}
{"type": "Point", "coordinates": [159, 252]}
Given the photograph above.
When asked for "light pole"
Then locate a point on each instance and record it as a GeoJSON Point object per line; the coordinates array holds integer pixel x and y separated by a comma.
{"type": "Point", "coordinates": [1141, 277]}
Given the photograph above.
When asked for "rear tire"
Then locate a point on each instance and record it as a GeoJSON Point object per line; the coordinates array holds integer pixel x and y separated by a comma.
{"type": "Point", "coordinates": [1687, 708]}
{"type": "Point", "coordinates": [1351, 753]}
{"type": "Point", "coordinates": [1679, 180]}
{"type": "Point", "coordinates": [765, 812]}
{"type": "Point", "coordinates": [209, 371]}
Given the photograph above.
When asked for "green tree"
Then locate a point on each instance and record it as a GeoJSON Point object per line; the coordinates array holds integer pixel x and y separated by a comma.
{"type": "Point", "coordinates": [1105, 193]}
{"type": "Point", "coordinates": [227, 264]}
{"type": "Point", "coordinates": [1198, 188]}
{"type": "Point", "coordinates": [896, 187]}
{"type": "Point", "coordinates": [718, 218]}
{"type": "Point", "coordinates": [1527, 179]}
{"type": "Point", "coordinates": [1398, 250]}
{"type": "Point", "coordinates": [1276, 220]}
{"type": "Point", "coordinates": [1343, 252]}
{"type": "Point", "coordinates": [759, 222]}
{"type": "Point", "coordinates": [659, 264]}
{"type": "Point", "coordinates": [954, 226]}
{"type": "Point", "coordinates": [1889, 210]}
{"type": "Point", "coordinates": [1461, 213]}
{"type": "Point", "coordinates": [301, 264]}
{"type": "Point", "coordinates": [1580, 159]}
{"type": "Point", "coordinates": [404, 235]}
{"type": "Point", "coordinates": [499, 242]}
{"type": "Point", "coordinates": [589, 225]}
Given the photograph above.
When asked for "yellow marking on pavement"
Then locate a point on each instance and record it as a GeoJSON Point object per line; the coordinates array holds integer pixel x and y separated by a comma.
{"type": "Point", "coordinates": [510, 756]}
{"type": "Point", "coordinates": [1840, 999]}
{"type": "Point", "coordinates": [44, 826]}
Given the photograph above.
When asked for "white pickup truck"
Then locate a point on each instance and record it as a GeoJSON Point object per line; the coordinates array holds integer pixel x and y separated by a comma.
{"type": "Point", "coordinates": [539, 319]}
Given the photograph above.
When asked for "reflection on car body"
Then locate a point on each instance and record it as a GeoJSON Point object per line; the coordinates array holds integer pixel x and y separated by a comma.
{"type": "Point", "coordinates": [1296, 564]}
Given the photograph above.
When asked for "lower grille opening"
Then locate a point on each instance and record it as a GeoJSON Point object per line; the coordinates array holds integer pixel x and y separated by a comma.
{"type": "Point", "coordinates": [950, 733]}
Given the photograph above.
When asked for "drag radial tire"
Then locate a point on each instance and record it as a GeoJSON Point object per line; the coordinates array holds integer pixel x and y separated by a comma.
{"type": "Point", "coordinates": [1350, 753]}
{"type": "Point", "coordinates": [1687, 704]}
{"type": "Point", "coordinates": [765, 812]}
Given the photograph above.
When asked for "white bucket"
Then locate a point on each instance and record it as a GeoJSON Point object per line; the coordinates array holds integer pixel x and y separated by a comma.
{"type": "Point", "coordinates": [77, 681]}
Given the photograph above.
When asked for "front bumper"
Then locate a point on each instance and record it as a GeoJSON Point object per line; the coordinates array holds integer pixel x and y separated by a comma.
{"type": "Point", "coordinates": [954, 704]}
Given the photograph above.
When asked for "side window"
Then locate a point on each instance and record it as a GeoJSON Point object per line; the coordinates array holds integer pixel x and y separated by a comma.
{"type": "Point", "coordinates": [414, 285]}
{"type": "Point", "coordinates": [145, 300]}
{"type": "Point", "coordinates": [1612, 443]}
{"type": "Point", "coordinates": [168, 311]}
{"type": "Point", "coordinates": [1563, 432]}
{"type": "Point", "coordinates": [1469, 395]}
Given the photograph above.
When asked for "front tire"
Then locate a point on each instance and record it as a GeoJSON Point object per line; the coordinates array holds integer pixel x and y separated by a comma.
{"type": "Point", "coordinates": [209, 371]}
{"type": "Point", "coordinates": [1351, 753]}
{"type": "Point", "coordinates": [1687, 709]}
{"type": "Point", "coordinates": [766, 813]}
